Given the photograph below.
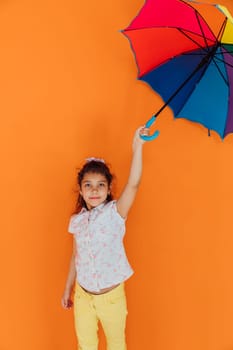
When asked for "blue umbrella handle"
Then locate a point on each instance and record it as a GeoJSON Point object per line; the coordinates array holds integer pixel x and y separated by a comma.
{"type": "Point", "coordinates": [148, 125]}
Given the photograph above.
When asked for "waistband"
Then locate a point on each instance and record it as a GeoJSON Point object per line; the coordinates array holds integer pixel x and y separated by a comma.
{"type": "Point", "coordinates": [118, 290]}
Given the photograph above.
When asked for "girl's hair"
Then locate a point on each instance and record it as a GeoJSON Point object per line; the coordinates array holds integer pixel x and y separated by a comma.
{"type": "Point", "coordinates": [97, 166]}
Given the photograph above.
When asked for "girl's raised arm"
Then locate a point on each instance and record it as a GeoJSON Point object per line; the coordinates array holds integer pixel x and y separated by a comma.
{"type": "Point", "coordinates": [128, 194]}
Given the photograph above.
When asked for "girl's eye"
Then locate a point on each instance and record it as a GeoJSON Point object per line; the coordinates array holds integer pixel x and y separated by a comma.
{"type": "Point", "coordinates": [86, 185]}
{"type": "Point", "coordinates": [102, 184]}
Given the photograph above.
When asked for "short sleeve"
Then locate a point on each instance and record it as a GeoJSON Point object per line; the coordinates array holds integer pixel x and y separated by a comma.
{"type": "Point", "coordinates": [72, 227]}
{"type": "Point", "coordinates": [113, 207]}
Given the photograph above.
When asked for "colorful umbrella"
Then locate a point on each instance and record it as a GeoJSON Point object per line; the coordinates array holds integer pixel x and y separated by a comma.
{"type": "Point", "coordinates": [184, 51]}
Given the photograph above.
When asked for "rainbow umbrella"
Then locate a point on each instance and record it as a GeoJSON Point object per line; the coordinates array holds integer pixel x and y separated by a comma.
{"type": "Point", "coordinates": [184, 51]}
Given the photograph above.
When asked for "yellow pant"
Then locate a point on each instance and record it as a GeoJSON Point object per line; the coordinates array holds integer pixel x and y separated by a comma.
{"type": "Point", "coordinates": [108, 308]}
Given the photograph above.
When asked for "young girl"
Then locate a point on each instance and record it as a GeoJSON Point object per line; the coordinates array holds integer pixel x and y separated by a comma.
{"type": "Point", "coordinates": [99, 266]}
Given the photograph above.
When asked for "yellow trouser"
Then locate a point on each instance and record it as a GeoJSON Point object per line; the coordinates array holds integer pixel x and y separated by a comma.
{"type": "Point", "coordinates": [108, 308]}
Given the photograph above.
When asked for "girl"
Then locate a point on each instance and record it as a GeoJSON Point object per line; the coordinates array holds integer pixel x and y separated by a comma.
{"type": "Point", "coordinates": [99, 266]}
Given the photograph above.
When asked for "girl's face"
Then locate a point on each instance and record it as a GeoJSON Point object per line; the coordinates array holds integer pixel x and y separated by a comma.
{"type": "Point", "coordinates": [94, 189]}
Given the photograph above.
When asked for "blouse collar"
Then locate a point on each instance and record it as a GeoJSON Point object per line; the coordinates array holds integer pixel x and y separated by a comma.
{"type": "Point", "coordinates": [98, 208]}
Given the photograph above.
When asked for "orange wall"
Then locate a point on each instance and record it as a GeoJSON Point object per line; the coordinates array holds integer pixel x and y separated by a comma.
{"type": "Point", "coordinates": [68, 91]}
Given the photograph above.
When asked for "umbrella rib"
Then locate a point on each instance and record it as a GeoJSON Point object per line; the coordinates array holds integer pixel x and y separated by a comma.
{"type": "Point", "coordinates": [216, 60]}
{"type": "Point", "coordinates": [221, 31]}
{"type": "Point", "coordinates": [160, 26]}
{"type": "Point", "coordinates": [206, 48]}
{"type": "Point", "coordinates": [223, 61]}
{"type": "Point", "coordinates": [200, 26]}
{"type": "Point", "coordinates": [193, 53]}
{"type": "Point", "coordinates": [220, 72]}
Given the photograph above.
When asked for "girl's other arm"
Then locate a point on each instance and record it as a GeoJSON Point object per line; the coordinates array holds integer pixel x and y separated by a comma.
{"type": "Point", "coordinates": [66, 298]}
{"type": "Point", "coordinates": [127, 196]}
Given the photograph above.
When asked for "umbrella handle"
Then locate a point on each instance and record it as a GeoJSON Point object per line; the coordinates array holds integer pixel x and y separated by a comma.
{"type": "Point", "coordinates": [148, 125]}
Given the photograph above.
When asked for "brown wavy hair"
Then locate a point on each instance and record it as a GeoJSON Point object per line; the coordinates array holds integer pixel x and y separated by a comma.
{"type": "Point", "coordinates": [96, 167]}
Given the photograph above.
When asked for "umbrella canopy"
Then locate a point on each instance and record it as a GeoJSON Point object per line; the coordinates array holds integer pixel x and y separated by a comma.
{"type": "Point", "coordinates": [184, 51]}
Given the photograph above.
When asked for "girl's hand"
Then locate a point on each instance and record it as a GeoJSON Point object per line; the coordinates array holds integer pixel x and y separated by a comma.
{"type": "Point", "coordinates": [66, 301]}
{"type": "Point", "coordinates": [142, 130]}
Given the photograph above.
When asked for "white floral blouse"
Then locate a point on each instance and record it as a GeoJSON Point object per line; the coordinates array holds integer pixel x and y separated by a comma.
{"type": "Point", "coordinates": [101, 260]}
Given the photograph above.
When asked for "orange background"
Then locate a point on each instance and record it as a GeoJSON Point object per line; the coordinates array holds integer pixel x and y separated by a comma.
{"type": "Point", "coordinates": [69, 91]}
